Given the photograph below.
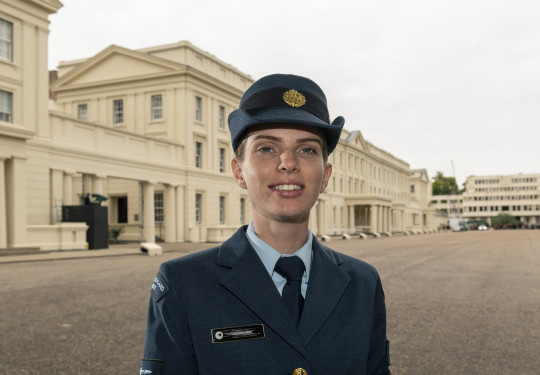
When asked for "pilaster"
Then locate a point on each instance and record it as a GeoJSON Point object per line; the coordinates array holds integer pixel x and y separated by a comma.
{"type": "Point", "coordinates": [16, 201]}
{"type": "Point", "coordinates": [149, 225]}
{"type": "Point", "coordinates": [170, 213]}
{"type": "Point", "coordinates": [3, 208]}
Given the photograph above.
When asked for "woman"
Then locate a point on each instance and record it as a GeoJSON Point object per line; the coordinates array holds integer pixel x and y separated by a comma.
{"type": "Point", "coordinates": [271, 299]}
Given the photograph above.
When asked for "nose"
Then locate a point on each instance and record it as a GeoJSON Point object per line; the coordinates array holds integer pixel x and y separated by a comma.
{"type": "Point", "coordinates": [288, 162]}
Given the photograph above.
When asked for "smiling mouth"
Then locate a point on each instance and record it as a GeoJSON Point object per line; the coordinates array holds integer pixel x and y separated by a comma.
{"type": "Point", "coordinates": [287, 187]}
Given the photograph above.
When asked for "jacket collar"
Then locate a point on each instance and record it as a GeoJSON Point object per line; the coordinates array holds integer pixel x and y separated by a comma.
{"type": "Point", "coordinates": [249, 281]}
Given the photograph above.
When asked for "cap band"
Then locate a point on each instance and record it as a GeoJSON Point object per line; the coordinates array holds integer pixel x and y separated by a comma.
{"type": "Point", "coordinates": [282, 97]}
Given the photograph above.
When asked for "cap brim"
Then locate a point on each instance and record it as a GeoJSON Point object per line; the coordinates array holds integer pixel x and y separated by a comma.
{"type": "Point", "coordinates": [240, 121]}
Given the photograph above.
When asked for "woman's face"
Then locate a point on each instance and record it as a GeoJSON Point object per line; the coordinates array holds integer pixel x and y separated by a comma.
{"type": "Point", "coordinates": [283, 171]}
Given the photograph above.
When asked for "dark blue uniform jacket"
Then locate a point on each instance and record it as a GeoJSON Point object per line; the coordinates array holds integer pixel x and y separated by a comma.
{"type": "Point", "coordinates": [218, 312]}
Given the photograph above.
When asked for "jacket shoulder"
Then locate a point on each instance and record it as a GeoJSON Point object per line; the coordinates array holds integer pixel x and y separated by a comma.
{"type": "Point", "coordinates": [190, 263]}
{"type": "Point", "coordinates": [354, 267]}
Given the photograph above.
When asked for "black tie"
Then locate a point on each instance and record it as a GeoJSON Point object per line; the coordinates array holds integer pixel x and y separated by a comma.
{"type": "Point", "coordinates": [292, 268]}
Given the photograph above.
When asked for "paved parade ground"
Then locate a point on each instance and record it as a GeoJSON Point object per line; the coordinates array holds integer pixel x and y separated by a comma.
{"type": "Point", "coordinates": [458, 303]}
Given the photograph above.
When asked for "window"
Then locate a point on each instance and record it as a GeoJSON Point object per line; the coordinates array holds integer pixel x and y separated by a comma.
{"type": "Point", "coordinates": [198, 208]}
{"type": "Point", "coordinates": [412, 188]}
{"type": "Point", "coordinates": [242, 210]}
{"type": "Point", "coordinates": [158, 208]}
{"type": "Point", "coordinates": [222, 210]}
{"type": "Point", "coordinates": [221, 117]}
{"type": "Point", "coordinates": [198, 154]}
{"type": "Point", "coordinates": [6, 105]}
{"type": "Point", "coordinates": [82, 112]}
{"type": "Point", "coordinates": [6, 40]}
{"type": "Point", "coordinates": [157, 112]}
{"type": "Point", "coordinates": [198, 108]}
{"type": "Point", "coordinates": [118, 112]}
{"type": "Point", "coordinates": [222, 160]}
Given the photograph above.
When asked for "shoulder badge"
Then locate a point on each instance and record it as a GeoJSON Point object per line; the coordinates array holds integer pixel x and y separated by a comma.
{"type": "Point", "coordinates": [159, 287]}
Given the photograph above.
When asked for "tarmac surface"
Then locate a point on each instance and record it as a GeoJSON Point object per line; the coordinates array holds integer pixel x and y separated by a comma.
{"type": "Point", "coordinates": [457, 303]}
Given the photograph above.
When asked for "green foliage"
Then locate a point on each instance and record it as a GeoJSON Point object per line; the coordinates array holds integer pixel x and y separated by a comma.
{"type": "Point", "coordinates": [99, 198]}
{"type": "Point", "coordinates": [114, 233]}
{"type": "Point", "coordinates": [444, 185]}
{"type": "Point", "coordinates": [503, 220]}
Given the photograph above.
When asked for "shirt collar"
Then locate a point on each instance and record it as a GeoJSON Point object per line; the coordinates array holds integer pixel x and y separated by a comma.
{"type": "Point", "coordinates": [269, 256]}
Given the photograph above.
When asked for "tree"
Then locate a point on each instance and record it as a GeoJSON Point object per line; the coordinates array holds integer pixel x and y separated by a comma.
{"type": "Point", "coordinates": [503, 220]}
{"type": "Point", "coordinates": [444, 185]}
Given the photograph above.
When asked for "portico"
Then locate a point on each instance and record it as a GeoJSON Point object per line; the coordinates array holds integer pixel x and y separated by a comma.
{"type": "Point", "coordinates": [369, 214]}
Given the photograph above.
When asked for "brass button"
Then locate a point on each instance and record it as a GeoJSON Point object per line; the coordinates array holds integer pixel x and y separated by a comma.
{"type": "Point", "coordinates": [299, 371]}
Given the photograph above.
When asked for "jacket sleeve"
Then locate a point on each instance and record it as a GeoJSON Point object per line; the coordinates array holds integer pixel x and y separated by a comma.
{"type": "Point", "coordinates": [168, 348]}
{"type": "Point", "coordinates": [379, 351]}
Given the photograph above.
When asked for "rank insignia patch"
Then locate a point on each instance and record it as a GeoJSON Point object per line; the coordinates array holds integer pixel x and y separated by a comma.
{"type": "Point", "coordinates": [159, 287]}
{"type": "Point", "coordinates": [220, 335]}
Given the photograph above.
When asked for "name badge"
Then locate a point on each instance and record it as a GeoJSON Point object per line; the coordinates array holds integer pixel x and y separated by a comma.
{"type": "Point", "coordinates": [220, 335]}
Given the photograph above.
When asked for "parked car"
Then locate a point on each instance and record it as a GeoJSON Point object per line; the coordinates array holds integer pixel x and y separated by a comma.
{"type": "Point", "coordinates": [482, 227]}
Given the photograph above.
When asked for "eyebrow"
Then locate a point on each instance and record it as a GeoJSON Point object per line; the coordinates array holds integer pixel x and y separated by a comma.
{"type": "Point", "coordinates": [278, 139]}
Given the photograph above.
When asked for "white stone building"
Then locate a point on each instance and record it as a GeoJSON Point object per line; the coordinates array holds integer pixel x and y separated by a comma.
{"type": "Point", "coordinates": [148, 129]}
{"type": "Point", "coordinates": [517, 195]}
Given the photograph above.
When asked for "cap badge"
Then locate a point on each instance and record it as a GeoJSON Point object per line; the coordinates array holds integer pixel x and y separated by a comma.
{"type": "Point", "coordinates": [294, 98]}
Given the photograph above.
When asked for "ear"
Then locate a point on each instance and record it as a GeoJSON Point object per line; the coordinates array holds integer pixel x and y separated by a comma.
{"type": "Point", "coordinates": [326, 176]}
{"type": "Point", "coordinates": [236, 166]}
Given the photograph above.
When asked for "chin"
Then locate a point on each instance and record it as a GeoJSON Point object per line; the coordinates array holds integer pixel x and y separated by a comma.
{"type": "Point", "coordinates": [292, 219]}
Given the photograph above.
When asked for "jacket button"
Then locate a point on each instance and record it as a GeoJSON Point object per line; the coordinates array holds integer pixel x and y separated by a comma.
{"type": "Point", "coordinates": [299, 371]}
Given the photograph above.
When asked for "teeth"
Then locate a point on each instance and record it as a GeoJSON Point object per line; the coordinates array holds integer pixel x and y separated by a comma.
{"type": "Point", "coordinates": [287, 187]}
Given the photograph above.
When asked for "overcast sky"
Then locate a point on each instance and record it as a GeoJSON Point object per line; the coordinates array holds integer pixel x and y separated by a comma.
{"type": "Point", "coordinates": [432, 82]}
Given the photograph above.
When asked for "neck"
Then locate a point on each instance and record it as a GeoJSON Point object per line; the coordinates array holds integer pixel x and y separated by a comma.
{"type": "Point", "coordinates": [284, 237]}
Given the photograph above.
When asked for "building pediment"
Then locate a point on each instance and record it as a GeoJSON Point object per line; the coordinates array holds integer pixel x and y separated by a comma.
{"type": "Point", "coordinates": [356, 139]}
{"type": "Point", "coordinates": [115, 64]}
{"type": "Point", "coordinates": [420, 174]}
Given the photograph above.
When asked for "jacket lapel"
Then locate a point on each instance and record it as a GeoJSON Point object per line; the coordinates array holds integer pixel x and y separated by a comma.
{"type": "Point", "coordinates": [249, 281]}
{"type": "Point", "coordinates": [327, 283]}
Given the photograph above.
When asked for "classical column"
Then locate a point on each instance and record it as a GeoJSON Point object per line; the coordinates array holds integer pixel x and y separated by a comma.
{"type": "Point", "coordinates": [57, 194]}
{"type": "Point", "coordinates": [16, 201]}
{"type": "Point", "coordinates": [169, 213]}
{"type": "Point", "coordinates": [3, 209]}
{"type": "Point", "coordinates": [382, 222]}
{"type": "Point", "coordinates": [179, 214]}
{"type": "Point", "coordinates": [97, 184]}
{"type": "Point", "coordinates": [351, 217]}
{"type": "Point", "coordinates": [86, 184]}
{"type": "Point", "coordinates": [68, 189]}
{"type": "Point", "coordinates": [379, 218]}
{"type": "Point", "coordinates": [365, 222]}
{"type": "Point", "coordinates": [149, 225]}
{"type": "Point", "coordinates": [373, 218]}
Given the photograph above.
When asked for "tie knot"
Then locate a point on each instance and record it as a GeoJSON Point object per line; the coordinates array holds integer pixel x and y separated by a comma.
{"type": "Point", "coordinates": [291, 268]}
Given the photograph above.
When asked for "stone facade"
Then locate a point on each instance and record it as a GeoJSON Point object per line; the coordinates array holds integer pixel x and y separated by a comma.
{"type": "Point", "coordinates": [148, 129]}
{"type": "Point", "coordinates": [450, 204]}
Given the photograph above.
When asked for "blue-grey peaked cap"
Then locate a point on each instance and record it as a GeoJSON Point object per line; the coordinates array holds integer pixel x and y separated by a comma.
{"type": "Point", "coordinates": [284, 98]}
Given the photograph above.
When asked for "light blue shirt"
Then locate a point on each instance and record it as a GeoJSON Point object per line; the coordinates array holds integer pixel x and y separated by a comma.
{"type": "Point", "coordinates": [269, 256]}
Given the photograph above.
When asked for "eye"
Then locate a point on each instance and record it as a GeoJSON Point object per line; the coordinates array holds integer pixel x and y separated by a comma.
{"type": "Point", "coordinates": [308, 150]}
{"type": "Point", "coordinates": [264, 149]}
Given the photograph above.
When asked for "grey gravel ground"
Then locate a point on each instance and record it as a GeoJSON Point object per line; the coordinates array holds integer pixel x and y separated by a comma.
{"type": "Point", "coordinates": [458, 303]}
